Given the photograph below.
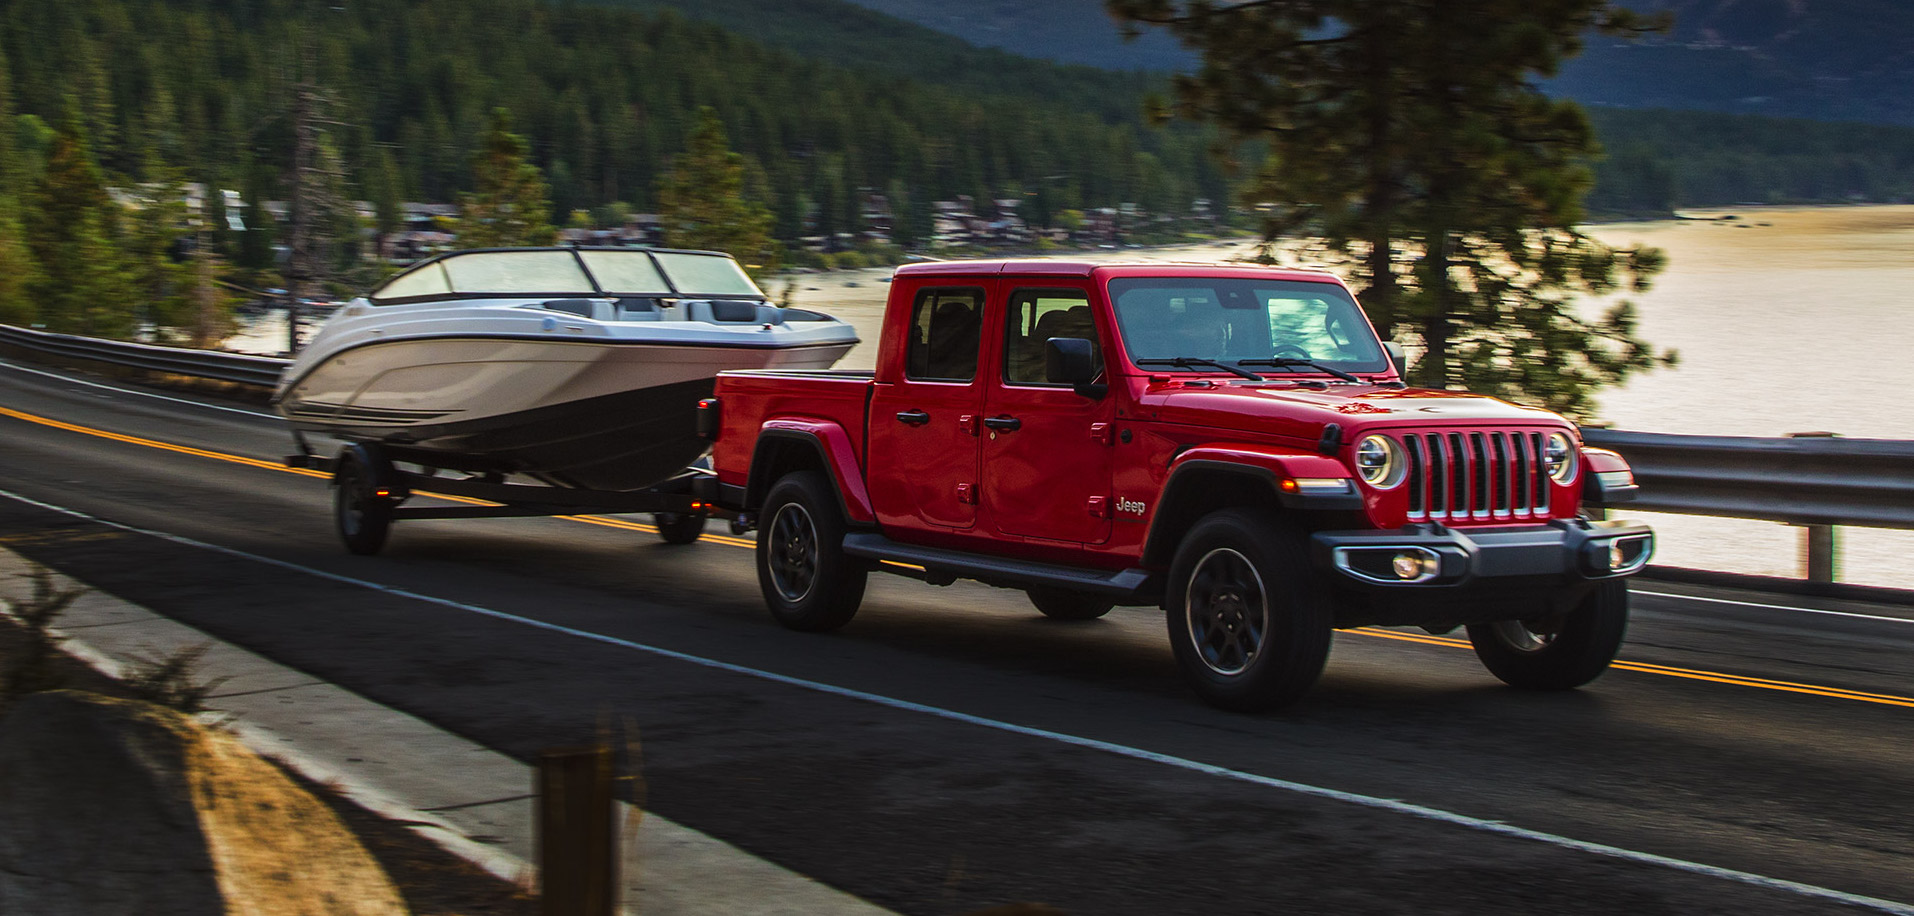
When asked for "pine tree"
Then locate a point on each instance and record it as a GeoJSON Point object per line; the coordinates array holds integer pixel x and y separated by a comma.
{"type": "Point", "coordinates": [510, 205]}
{"type": "Point", "coordinates": [1406, 132]}
{"type": "Point", "coordinates": [17, 270]}
{"type": "Point", "coordinates": [72, 230]}
{"type": "Point", "coordinates": [702, 201]}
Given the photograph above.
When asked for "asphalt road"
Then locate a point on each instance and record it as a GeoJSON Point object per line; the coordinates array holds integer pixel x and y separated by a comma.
{"type": "Point", "coordinates": [952, 750]}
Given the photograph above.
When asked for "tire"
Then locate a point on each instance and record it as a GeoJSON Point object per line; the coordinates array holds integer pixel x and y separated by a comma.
{"type": "Point", "coordinates": [1064, 604]}
{"type": "Point", "coordinates": [680, 527]}
{"type": "Point", "coordinates": [1249, 618]}
{"type": "Point", "coordinates": [809, 583]}
{"type": "Point", "coordinates": [362, 519]}
{"type": "Point", "coordinates": [1560, 653]}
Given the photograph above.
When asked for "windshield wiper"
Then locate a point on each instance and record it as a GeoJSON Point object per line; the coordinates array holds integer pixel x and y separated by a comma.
{"type": "Point", "coordinates": [1194, 362]}
{"type": "Point", "coordinates": [1283, 362]}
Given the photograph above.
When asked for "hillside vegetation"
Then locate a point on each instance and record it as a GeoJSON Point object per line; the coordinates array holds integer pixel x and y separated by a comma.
{"type": "Point", "coordinates": [605, 95]}
{"type": "Point", "coordinates": [824, 99]}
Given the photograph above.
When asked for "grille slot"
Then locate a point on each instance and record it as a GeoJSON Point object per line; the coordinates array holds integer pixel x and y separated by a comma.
{"type": "Point", "coordinates": [1476, 476]}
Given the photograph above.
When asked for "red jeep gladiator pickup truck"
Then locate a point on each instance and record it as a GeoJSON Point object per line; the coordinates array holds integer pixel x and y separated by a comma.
{"type": "Point", "coordinates": [1230, 443]}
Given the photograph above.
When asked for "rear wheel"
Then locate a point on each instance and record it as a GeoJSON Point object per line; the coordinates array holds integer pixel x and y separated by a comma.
{"type": "Point", "coordinates": [362, 517]}
{"type": "Point", "coordinates": [1249, 619]}
{"type": "Point", "coordinates": [1558, 652]}
{"type": "Point", "coordinates": [808, 581]}
{"type": "Point", "coordinates": [680, 527]}
{"type": "Point", "coordinates": [1064, 604]}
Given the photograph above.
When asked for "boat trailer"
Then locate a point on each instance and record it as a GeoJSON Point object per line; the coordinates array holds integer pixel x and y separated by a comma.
{"type": "Point", "coordinates": [370, 490]}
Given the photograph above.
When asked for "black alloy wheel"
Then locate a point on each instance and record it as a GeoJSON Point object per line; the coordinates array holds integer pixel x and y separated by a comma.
{"type": "Point", "coordinates": [808, 582]}
{"type": "Point", "coordinates": [1248, 617]}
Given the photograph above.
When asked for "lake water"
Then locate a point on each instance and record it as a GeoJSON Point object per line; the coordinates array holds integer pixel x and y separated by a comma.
{"type": "Point", "coordinates": [1787, 320]}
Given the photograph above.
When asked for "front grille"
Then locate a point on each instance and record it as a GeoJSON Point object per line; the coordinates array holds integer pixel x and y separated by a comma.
{"type": "Point", "coordinates": [1476, 475]}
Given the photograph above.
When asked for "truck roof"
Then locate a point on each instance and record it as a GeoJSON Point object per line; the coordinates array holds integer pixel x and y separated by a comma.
{"type": "Point", "coordinates": [1064, 267]}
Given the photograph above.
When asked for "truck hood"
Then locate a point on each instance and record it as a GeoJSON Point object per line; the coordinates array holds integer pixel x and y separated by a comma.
{"type": "Point", "coordinates": [1299, 412]}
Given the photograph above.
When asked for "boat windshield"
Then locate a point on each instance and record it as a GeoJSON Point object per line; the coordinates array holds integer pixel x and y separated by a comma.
{"type": "Point", "coordinates": [574, 272]}
{"type": "Point", "coordinates": [705, 275]}
{"type": "Point", "coordinates": [517, 272]}
{"type": "Point", "coordinates": [1279, 323]}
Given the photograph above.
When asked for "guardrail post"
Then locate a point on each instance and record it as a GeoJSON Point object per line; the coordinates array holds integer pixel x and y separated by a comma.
{"type": "Point", "coordinates": [577, 847]}
{"type": "Point", "coordinates": [1820, 549]}
{"type": "Point", "coordinates": [1820, 553]}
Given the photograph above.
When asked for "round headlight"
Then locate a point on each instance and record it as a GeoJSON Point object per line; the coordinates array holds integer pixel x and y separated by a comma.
{"type": "Point", "coordinates": [1379, 461]}
{"type": "Point", "coordinates": [1558, 458]}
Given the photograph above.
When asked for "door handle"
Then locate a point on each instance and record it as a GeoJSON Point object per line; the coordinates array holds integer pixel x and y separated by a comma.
{"type": "Point", "coordinates": [913, 417]}
{"type": "Point", "coordinates": [1003, 424]}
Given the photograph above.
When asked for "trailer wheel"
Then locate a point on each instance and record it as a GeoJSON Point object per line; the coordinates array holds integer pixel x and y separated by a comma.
{"type": "Point", "coordinates": [363, 517]}
{"type": "Point", "coordinates": [809, 583]}
{"type": "Point", "coordinates": [1249, 618]}
{"type": "Point", "coordinates": [1559, 653]}
{"type": "Point", "coordinates": [680, 527]}
{"type": "Point", "coordinates": [1064, 604]}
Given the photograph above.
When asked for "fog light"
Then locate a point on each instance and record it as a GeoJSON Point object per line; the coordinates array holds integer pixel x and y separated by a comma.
{"type": "Point", "coordinates": [1412, 565]}
{"type": "Point", "coordinates": [1617, 557]}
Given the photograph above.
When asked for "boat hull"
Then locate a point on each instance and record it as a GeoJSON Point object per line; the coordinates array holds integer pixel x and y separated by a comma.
{"type": "Point", "coordinates": [594, 414]}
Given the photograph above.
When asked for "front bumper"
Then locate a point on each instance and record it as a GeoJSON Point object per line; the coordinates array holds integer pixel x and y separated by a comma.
{"type": "Point", "coordinates": [1433, 556]}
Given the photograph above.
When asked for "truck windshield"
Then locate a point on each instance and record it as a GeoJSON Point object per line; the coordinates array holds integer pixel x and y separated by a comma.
{"type": "Point", "coordinates": [1232, 319]}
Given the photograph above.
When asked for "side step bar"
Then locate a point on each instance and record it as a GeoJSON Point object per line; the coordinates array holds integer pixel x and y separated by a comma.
{"type": "Point", "coordinates": [1129, 586]}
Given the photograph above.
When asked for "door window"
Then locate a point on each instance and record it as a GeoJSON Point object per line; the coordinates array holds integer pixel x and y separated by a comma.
{"type": "Point", "coordinates": [1035, 316]}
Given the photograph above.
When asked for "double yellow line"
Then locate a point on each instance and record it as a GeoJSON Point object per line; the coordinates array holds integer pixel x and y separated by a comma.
{"type": "Point", "coordinates": [1692, 674]}
{"type": "Point", "coordinates": [611, 522]}
{"type": "Point", "coordinates": [603, 521]}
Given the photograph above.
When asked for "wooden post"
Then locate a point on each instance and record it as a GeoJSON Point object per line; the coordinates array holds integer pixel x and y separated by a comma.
{"type": "Point", "coordinates": [577, 846]}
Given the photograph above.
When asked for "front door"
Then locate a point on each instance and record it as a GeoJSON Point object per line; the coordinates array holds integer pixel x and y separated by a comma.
{"type": "Point", "coordinates": [1046, 449]}
{"type": "Point", "coordinates": [924, 423]}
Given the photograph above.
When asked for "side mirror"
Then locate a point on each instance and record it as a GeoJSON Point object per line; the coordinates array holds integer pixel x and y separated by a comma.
{"type": "Point", "coordinates": [1072, 361]}
{"type": "Point", "coordinates": [1398, 358]}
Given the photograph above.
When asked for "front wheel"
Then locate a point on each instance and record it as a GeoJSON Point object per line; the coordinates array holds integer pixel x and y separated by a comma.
{"type": "Point", "coordinates": [1249, 618]}
{"type": "Point", "coordinates": [808, 581]}
{"type": "Point", "coordinates": [1558, 652]}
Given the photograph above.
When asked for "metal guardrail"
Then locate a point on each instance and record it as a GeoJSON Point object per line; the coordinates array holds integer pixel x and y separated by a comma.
{"type": "Point", "coordinates": [238, 368]}
{"type": "Point", "coordinates": [1867, 483]}
{"type": "Point", "coordinates": [1818, 482]}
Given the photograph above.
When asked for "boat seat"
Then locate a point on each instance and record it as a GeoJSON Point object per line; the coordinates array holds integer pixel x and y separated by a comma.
{"type": "Point", "coordinates": [732, 311]}
{"type": "Point", "coordinates": [636, 309]}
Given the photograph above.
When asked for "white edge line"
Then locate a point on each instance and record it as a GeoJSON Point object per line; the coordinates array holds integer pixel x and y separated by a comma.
{"type": "Point", "coordinates": [1776, 607]}
{"type": "Point", "coordinates": [253, 413]}
{"type": "Point", "coordinates": [1368, 801]}
{"type": "Point", "coordinates": [266, 743]}
{"type": "Point", "coordinates": [145, 394]}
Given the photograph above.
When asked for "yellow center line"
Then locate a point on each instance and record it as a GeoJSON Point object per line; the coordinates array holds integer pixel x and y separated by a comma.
{"type": "Point", "coordinates": [609, 522]}
{"type": "Point", "coordinates": [1716, 677]}
{"type": "Point", "coordinates": [306, 472]}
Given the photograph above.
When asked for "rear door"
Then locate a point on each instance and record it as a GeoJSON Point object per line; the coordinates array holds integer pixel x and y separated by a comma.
{"type": "Point", "coordinates": [924, 418]}
{"type": "Point", "coordinates": [1046, 449]}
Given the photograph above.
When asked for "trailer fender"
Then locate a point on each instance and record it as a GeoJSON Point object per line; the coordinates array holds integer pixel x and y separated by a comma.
{"type": "Point", "coordinates": [1211, 477]}
{"type": "Point", "coordinates": [784, 445]}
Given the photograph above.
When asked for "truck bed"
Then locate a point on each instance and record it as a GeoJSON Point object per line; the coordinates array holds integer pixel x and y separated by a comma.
{"type": "Point", "coordinates": [752, 396]}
